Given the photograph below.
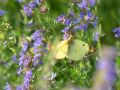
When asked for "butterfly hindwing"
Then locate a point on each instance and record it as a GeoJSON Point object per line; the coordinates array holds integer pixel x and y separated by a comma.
{"type": "Point", "coordinates": [77, 50]}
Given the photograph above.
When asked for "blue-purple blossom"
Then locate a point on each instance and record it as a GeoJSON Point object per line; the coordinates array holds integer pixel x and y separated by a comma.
{"type": "Point", "coordinates": [30, 23]}
{"type": "Point", "coordinates": [2, 12]}
{"type": "Point", "coordinates": [83, 4]}
{"type": "Point", "coordinates": [82, 15]}
{"type": "Point", "coordinates": [89, 14]}
{"type": "Point", "coordinates": [37, 42]}
{"type": "Point", "coordinates": [19, 88]}
{"type": "Point", "coordinates": [28, 74]}
{"type": "Point", "coordinates": [27, 79]}
{"type": "Point", "coordinates": [7, 87]}
{"type": "Point", "coordinates": [92, 2]}
{"type": "Point", "coordinates": [32, 5]}
{"type": "Point", "coordinates": [61, 18]}
{"type": "Point", "coordinates": [26, 62]}
{"type": "Point", "coordinates": [67, 22]}
{"type": "Point", "coordinates": [94, 24]}
{"type": "Point", "coordinates": [38, 46]}
{"type": "Point", "coordinates": [83, 27]}
{"type": "Point", "coordinates": [14, 58]}
{"type": "Point", "coordinates": [28, 9]}
{"type": "Point", "coordinates": [25, 46]}
{"type": "Point", "coordinates": [38, 38]}
{"type": "Point", "coordinates": [65, 36]}
{"type": "Point", "coordinates": [65, 29]}
{"type": "Point", "coordinates": [117, 32]}
{"type": "Point", "coordinates": [36, 59]}
{"type": "Point", "coordinates": [37, 34]}
{"type": "Point", "coordinates": [21, 60]}
{"type": "Point", "coordinates": [96, 36]}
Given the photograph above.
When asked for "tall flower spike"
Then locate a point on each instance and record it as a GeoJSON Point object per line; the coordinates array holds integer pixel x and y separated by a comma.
{"type": "Point", "coordinates": [106, 72]}
{"type": "Point", "coordinates": [27, 79]}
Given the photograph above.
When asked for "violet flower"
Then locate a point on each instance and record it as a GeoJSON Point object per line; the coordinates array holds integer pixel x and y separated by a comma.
{"type": "Point", "coordinates": [2, 12]}
{"type": "Point", "coordinates": [27, 79]}
{"type": "Point", "coordinates": [28, 9]}
{"type": "Point", "coordinates": [117, 32]}
{"type": "Point", "coordinates": [38, 46]}
{"type": "Point", "coordinates": [96, 36]}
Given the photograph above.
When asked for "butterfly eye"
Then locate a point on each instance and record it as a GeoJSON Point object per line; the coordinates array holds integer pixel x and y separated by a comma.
{"type": "Point", "coordinates": [83, 44]}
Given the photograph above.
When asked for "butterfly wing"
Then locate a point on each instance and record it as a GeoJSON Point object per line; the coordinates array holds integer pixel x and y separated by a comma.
{"type": "Point", "coordinates": [77, 50]}
{"type": "Point", "coordinates": [61, 49]}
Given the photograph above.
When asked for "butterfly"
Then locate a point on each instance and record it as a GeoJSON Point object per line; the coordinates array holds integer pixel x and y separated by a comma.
{"type": "Point", "coordinates": [61, 49]}
{"type": "Point", "coordinates": [73, 49]}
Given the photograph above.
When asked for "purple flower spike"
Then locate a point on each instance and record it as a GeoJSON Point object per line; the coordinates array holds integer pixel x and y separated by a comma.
{"type": "Point", "coordinates": [106, 71]}
{"type": "Point", "coordinates": [27, 78]}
